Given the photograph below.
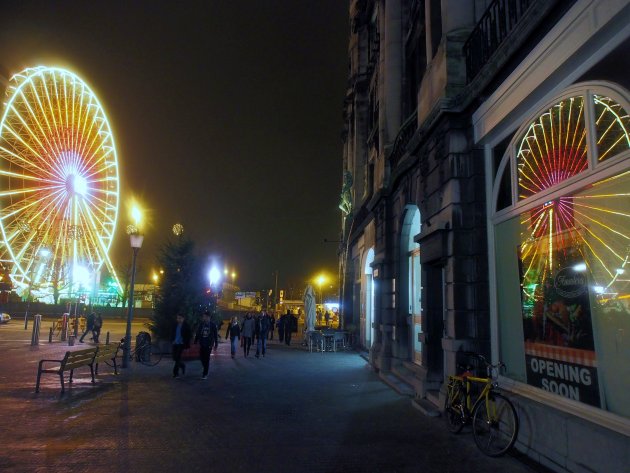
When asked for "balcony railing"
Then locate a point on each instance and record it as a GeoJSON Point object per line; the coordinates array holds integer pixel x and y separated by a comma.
{"type": "Point", "coordinates": [493, 28]}
{"type": "Point", "coordinates": [402, 138]}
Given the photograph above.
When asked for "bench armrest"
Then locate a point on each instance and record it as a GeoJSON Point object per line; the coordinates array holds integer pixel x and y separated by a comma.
{"type": "Point", "coordinates": [41, 362]}
{"type": "Point", "coordinates": [52, 361]}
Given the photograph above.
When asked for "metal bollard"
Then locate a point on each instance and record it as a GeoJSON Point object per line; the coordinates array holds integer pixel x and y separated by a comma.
{"type": "Point", "coordinates": [50, 335]}
{"type": "Point", "coordinates": [107, 339]}
{"type": "Point", "coordinates": [71, 340]}
{"type": "Point", "coordinates": [37, 322]}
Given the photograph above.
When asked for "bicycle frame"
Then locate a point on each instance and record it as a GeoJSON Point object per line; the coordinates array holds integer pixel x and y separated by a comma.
{"type": "Point", "coordinates": [467, 382]}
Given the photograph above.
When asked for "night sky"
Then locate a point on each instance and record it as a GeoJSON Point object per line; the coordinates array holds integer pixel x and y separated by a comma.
{"type": "Point", "coordinates": [226, 115]}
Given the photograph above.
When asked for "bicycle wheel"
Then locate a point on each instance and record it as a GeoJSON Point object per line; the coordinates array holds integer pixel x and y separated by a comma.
{"type": "Point", "coordinates": [150, 356]}
{"type": "Point", "coordinates": [495, 424]}
{"type": "Point", "coordinates": [454, 407]}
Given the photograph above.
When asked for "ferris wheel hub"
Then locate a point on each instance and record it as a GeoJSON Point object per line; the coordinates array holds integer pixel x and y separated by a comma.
{"type": "Point", "coordinates": [76, 184]}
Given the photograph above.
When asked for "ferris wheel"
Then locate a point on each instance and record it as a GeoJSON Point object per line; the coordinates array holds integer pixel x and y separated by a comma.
{"type": "Point", "coordinates": [588, 228]}
{"type": "Point", "coordinates": [59, 184]}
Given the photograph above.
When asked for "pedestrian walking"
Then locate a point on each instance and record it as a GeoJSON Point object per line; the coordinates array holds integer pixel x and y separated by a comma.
{"type": "Point", "coordinates": [89, 326]}
{"type": "Point", "coordinates": [207, 337]}
{"type": "Point", "coordinates": [290, 326]}
{"type": "Point", "coordinates": [272, 325]}
{"type": "Point", "coordinates": [247, 332]}
{"type": "Point", "coordinates": [233, 333]}
{"type": "Point", "coordinates": [262, 328]}
{"type": "Point", "coordinates": [327, 318]}
{"type": "Point", "coordinates": [181, 341]}
{"type": "Point", "coordinates": [98, 325]}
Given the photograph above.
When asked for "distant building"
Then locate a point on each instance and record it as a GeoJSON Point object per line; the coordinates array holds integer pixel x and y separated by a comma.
{"type": "Point", "coordinates": [486, 166]}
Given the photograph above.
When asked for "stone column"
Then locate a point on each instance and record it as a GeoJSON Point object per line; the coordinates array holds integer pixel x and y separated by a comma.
{"type": "Point", "coordinates": [392, 61]}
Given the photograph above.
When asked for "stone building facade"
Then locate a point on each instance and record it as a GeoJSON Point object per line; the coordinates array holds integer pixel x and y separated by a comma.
{"type": "Point", "coordinates": [475, 133]}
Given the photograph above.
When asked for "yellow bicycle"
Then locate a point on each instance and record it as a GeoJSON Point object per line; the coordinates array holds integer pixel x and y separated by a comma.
{"type": "Point", "coordinates": [474, 400]}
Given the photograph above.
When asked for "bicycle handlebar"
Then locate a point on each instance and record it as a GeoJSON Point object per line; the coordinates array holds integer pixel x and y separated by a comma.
{"type": "Point", "coordinates": [489, 366]}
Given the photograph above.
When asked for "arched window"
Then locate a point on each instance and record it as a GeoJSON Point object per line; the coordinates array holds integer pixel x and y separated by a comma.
{"type": "Point", "coordinates": [368, 332]}
{"type": "Point", "coordinates": [415, 302]}
{"type": "Point", "coordinates": [562, 248]}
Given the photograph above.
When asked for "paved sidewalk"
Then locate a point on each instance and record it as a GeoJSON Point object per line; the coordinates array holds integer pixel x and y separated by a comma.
{"type": "Point", "coordinates": [292, 411]}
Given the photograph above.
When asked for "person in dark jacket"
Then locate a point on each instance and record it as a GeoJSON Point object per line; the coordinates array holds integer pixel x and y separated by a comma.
{"type": "Point", "coordinates": [98, 325]}
{"type": "Point", "coordinates": [207, 337]}
{"type": "Point", "coordinates": [262, 327]}
{"type": "Point", "coordinates": [89, 326]}
{"type": "Point", "coordinates": [233, 333]}
{"type": "Point", "coordinates": [181, 340]}
{"type": "Point", "coordinates": [290, 326]}
{"type": "Point", "coordinates": [247, 332]}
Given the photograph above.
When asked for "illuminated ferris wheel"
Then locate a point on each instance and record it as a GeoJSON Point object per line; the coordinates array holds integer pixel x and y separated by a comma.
{"type": "Point", "coordinates": [59, 186]}
{"type": "Point", "coordinates": [586, 229]}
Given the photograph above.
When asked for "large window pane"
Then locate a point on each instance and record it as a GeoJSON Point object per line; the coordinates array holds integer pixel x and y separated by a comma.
{"type": "Point", "coordinates": [571, 260]}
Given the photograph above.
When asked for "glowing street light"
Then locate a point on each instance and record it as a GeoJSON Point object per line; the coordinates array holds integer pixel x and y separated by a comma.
{"type": "Point", "coordinates": [321, 279]}
{"type": "Point", "coordinates": [233, 276]}
{"type": "Point", "coordinates": [214, 276]}
{"type": "Point", "coordinates": [136, 215]}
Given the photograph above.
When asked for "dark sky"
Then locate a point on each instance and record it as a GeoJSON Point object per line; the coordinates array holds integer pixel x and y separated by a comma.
{"type": "Point", "coordinates": [226, 115]}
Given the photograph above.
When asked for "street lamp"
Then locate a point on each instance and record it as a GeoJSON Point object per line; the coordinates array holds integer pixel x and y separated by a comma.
{"type": "Point", "coordinates": [135, 239]}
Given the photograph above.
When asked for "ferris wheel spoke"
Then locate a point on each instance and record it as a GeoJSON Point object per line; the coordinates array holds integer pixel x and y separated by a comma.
{"type": "Point", "coordinates": [99, 241]}
{"type": "Point", "coordinates": [22, 206]}
{"type": "Point", "coordinates": [27, 190]}
{"type": "Point", "coordinates": [97, 140]}
{"type": "Point", "coordinates": [88, 123]}
{"type": "Point", "coordinates": [37, 120]}
{"type": "Point", "coordinates": [22, 161]}
{"type": "Point", "coordinates": [26, 177]}
{"type": "Point", "coordinates": [51, 111]}
{"type": "Point", "coordinates": [94, 222]}
{"type": "Point", "coordinates": [31, 133]}
{"type": "Point", "coordinates": [101, 165]}
{"type": "Point", "coordinates": [57, 110]}
{"type": "Point", "coordinates": [51, 133]}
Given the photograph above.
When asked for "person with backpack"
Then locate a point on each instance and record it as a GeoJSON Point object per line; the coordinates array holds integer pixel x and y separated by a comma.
{"type": "Point", "coordinates": [247, 332]}
{"type": "Point", "coordinates": [207, 336]}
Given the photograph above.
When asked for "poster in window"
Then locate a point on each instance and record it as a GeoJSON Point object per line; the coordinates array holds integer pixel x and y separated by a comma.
{"type": "Point", "coordinates": [559, 350]}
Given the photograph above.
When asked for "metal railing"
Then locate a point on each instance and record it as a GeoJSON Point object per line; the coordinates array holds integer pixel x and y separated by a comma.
{"type": "Point", "coordinates": [491, 31]}
{"type": "Point", "coordinates": [402, 138]}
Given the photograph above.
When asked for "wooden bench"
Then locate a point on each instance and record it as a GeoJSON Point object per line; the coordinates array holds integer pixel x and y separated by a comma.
{"type": "Point", "coordinates": [107, 353]}
{"type": "Point", "coordinates": [76, 359]}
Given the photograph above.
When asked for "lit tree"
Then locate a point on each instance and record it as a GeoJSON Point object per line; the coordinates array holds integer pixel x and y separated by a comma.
{"type": "Point", "coordinates": [181, 288]}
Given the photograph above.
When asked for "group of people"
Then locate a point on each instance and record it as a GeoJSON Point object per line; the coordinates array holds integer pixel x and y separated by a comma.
{"type": "Point", "coordinates": [259, 327]}
{"type": "Point", "coordinates": [93, 325]}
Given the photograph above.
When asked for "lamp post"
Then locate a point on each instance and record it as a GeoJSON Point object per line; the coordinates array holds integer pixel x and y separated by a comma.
{"type": "Point", "coordinates": [136, 244]}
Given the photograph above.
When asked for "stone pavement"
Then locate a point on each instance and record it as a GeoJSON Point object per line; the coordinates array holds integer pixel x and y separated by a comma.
{"type": "Point", "coordinates": [292, 411]}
